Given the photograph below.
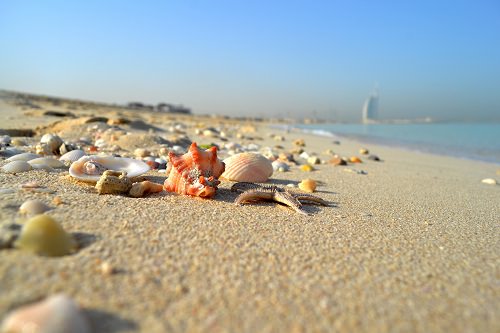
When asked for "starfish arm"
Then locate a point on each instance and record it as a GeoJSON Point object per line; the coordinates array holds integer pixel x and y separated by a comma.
{"type": "Point", "coordinates": [253, 195]}
{"type": "Point", "coordinates": [310, 199]}
{"type": "Point", "coordinates": [288, 199]}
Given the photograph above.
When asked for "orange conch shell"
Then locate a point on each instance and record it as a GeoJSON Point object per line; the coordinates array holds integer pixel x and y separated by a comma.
{"type": "Point", "coordinates": [194, 173]}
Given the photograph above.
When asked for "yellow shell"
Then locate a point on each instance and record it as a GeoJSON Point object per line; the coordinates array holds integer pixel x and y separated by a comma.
{"type": "Point", "coordinates": [45, 236]}
{"type": "Point", "coordinates": [306, 167]}
{"type": "Point", "coordinates": [308, 185]}
{"type": "Point", "coordinates": [355, 159]}
{"type": "Point", "coordinates": [248, 167]}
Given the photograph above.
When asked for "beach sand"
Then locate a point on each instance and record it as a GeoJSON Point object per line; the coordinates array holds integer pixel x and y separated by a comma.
{"type": "Point", "coordinates": [411, 246]}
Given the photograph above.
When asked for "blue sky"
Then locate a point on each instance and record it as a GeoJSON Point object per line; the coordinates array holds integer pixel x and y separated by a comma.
{"type": "Point", "coordinates": [283, 58]}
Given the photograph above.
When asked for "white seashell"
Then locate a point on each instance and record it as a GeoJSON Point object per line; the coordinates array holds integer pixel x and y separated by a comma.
{"type": "Point", "coordinates": [489, 181]}
{"type": "Point", "coordinates": [56, 314]}
{"type": "Point", "coordinates": [10, 151]}
{"type": "Point", "coordinates": [23, 157]}
{"type": "Point", "coordinates": [90, 168]}
{"type": "Point", "coordinates": [304, 155]}
{"type": "Point", "coordinates": [48, 161]}
{"type": "Point", "coordinates": [247, 167]}
{"type": "Point", "coordinates": [52, 141]}
{"type": "Point", "coordinates": [72, 156]}
{"type": "Point", "coordinates": [280, 166]}
{"type": "Point", "coordinates": [33, 207]}
{"type": "Point", "coordinates": [16, 166]}
{"type": "Point", "coordinates": [43, 167]}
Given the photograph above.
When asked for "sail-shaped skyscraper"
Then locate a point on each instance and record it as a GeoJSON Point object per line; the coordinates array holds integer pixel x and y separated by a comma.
{"type": "Point", "coordinates": [370, 108]}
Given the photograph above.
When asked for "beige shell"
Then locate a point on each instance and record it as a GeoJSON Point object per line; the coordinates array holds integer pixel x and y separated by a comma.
{"type": "Point", "coordinates": [56, 314]}
{"type": "Point", "coordinates": [48, 161]}
{"type": "Point", "coordinates": [23, 157]}
{"type": "Point", "coordinates": [90, 168]}
{"type": "Point", "coordinates": [33, 207]}
{"type": "Point", "coordinates": [308, 185]}
{"type": "Point", "coordinates": [247, 167]}
{"type": "Point", "coordinates": [16, 167]}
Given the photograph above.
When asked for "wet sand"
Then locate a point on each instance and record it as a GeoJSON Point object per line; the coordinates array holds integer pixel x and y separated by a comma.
{"type": "Point", "coordinates": [411, 246]}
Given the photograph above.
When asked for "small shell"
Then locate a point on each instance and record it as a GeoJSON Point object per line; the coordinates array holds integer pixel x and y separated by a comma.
{"type": "Point", "coordinates": [363, 151]}
{"type": "Point", "coordinates": [144, 188]}
{"type": "Point", "coordinates": [280, 166]}
{"type": "Point", "coordinates": [337, 161]}
{"type": "Point", "coordinates": [308, 185]}
{"type": "Point", "coordinates": [48, 161]}
{"type": "Point", "coordinates": [355, 159]}
{"type": "Point", "coordinates": [90, 168]}
{"type": "Point", "coordinates": [56, 314]}
{"type": "Point", "coordinates": [313, 160]}
{"type": "Point", "coordinates": [44, 236]}
{"type": "Point", "coordinates": [33, 207]}
{"type": "Point", "coordinates": [306, 168]}
{"type": "Point", "coordinates": [248, 167]}
{"type": "Point", "coordinates": [23, 157]}
{"type": "Point", "coordinates": [489, 181]}
{"type": "Point", "coordinates": [72, 156]}
{"type": "Point", "coordinates": [16, 167]}
{"type": "Point", "coordinates": [52, 141]}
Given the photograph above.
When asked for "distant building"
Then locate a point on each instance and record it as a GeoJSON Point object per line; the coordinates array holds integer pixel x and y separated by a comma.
{"type": "Point", "coordinates": [171, 108]}
{"type": "Point", "coordinates": [370, 108]}
{"type": "Point", "coordinates": [140, 106]}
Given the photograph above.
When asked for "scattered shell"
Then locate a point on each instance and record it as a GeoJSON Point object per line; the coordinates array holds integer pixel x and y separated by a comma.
{"type": "Point", "coordinates": [33, 207]}
{"type": "Point", "coordinates": [56, 314]}
{"type": "Point", "coordinates": [363, 151]}
{"type": "Point", "coordinates": [48, 161]}
{"type": "Point", "coordinates": [373, 158]}
{"type": "Point", "coordinates": [106, 268]}
{"type": "Point", "coordinates": [18, 142]}
{"type": "Point", "coordinates": [52, 141]}
{"type": "Point", "coordinates": [23, 157]}
{"type": "Point", "coordinates": [16, 167]}
{"type": "Point", "coordinates": [337, 161]}
{"type": "Point", "coordinates": [308, 185]}
{"type": "Point", "coordinates": [359, 172]}
{"type": "Point", "coordinates": [304, 155]}
{"type": "Point", "coordinates": [45, 236]}
{"type": "Point", "coordinates": [306, 167]}
{"type": "Point", "coordinates": [489, 181]}
{"type": "Point", "coordinates": [195, 173]}
{"type": "Point", "coordinates": [72, 156]}
{"type": "Point", "coordinates": [248, 167]}
{"type": "Point", "coordinates": [141, 152]}
{"type": "Point", "coordinates": [280, 166]}
{"type": "Point", "coordinates": [313, 160]}
{"type": "Point", "coordinates": [299, 142]}
{"type": "Point", "coordinates": [144, 188]}
{"type": "Point", "coordinates": [57, 200]}
{"type": "Point", "coordinates": [90, 168]}
{"type": "Point", "coordinates": [355, 159]}
{"type": "Point", "coordinates": [113, 182]}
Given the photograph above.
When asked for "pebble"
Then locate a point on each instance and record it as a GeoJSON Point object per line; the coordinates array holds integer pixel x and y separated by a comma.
{"type": "Point", "coordinates": [355, 159]}
{"type": "Point", "coordinates": [45, 236]}
{"type": "Point", "coordinates": [52, 141]}
{"type": "Point", "coordinates": [308, 185]}
{"type": "Point", "coordinates": [8, 235]}
{"type": "Point", "coordinates": [313, 160]}
{"type": "Point", "coordinates": [337, 161]}
{"type": "Point", "coordinates": [56, 314]}
{"type": "Point", "coordinates": [373, 157]}
{"type": "Point", "coordinates": [304, 155]}
{"type": "Point", "coordinates": [299, 142]}
{"type": "Point", "coordinates": [306, 167]}
{"type": "Point", "coordinates": [359, 172]}
{"type": "Point", "coordinates": [141, 152]}
{"type": "Point", "coordinates": [489, 181]}
{"type": "Point", "coordinates": [280, 166]}
{"type": "Point", "coordinates": [16, 167]}
{"type": "Point", "coordinates": [363, 151]}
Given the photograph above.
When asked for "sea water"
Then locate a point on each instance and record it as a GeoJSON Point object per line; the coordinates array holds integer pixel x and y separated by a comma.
{"type": "Point", "coordinates": [479, 141]}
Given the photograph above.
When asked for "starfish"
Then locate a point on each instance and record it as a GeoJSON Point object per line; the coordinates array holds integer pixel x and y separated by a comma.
{"type": "Point", "coordinates": [251, 192]}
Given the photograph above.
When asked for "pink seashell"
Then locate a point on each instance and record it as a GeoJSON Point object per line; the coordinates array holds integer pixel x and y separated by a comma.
{"type": "Point", "coordinates": [194, 173]}
{"type": "Point", "coordinates": [56, 314]}
{"type": "Point", "coordinates": [248, 167]}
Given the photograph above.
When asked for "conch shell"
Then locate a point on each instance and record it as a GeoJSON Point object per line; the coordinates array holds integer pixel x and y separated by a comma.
{"type": "Point", "coordinates": [194, 173]}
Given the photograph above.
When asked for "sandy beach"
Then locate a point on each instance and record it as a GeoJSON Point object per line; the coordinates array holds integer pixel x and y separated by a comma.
{"type": "Point", "coordinates": [410, 246]}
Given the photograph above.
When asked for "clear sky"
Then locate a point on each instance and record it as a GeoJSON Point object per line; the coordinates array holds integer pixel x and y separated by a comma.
{"type": "Point", "coordinates": [283, 58]}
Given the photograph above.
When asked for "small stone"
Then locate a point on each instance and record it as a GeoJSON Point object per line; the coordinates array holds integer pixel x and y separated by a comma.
{"type": "Point", "coordinates": [308, 185]}
{"type": "Point", "coordinates": [306, 167]}
{"type": "Point", "coordinates": [373, 158]}
{"type": "Point", "coordinates": [106, 269]}
{"type": "Point", "coordinates": [57, 200]}
{"type": "Point", "coordinates": [33, 207]}
{"type": "Point", "coordinates": [141, 152]}
{"type": "Point", "coordinates": [363, 151]}
{"type": "Point", "coordinates": [313, 160]}
{"type": "Point", "coordinates": [355, 159]}
{"type": "Point", "coordinates": [299, 142]}
{"type": "Point", "coordinates": [337, 161]}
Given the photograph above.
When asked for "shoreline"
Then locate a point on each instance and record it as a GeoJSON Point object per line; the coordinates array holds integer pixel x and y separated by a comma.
{"type": "Point", "coordinates": [423, 148]}
{"type": "Point", "coordinates": [411, 245]}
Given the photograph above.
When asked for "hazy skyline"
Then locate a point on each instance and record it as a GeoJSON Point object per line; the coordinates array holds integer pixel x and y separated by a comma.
{"type": "Point", "coordinates": [289, 58]}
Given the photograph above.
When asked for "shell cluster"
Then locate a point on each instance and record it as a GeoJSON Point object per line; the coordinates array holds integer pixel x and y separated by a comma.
{"type": "Point", "coordinates": [195, 173]}
{"type": "Point", "coordinates": [90, 168]}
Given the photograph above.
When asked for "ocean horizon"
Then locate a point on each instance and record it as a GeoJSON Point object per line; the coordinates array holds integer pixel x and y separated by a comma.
{"type": "Point", "coordinates": [477, 141]}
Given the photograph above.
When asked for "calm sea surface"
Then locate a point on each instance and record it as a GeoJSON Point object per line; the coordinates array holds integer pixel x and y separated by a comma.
{"type": "Point", "coordinates": [466, 140]}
